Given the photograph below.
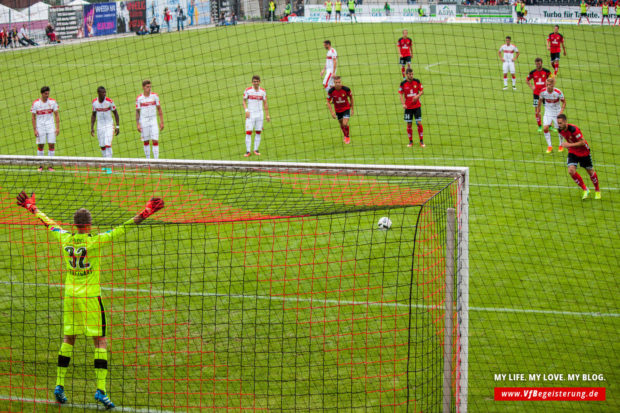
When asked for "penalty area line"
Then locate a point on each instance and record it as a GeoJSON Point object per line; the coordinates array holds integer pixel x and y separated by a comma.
{"type": "Point", "coordinates": [80, 406]}
{"type": "Point", "coordinates": [331, 301]}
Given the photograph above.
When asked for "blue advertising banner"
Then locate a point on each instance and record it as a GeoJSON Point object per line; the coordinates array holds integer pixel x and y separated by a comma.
{"type": "Point", "coordinates": [99, 19]}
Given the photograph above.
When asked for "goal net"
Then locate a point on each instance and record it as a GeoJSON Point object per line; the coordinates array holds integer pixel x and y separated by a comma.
{"type": "Point", "coordinates": [258, 287]}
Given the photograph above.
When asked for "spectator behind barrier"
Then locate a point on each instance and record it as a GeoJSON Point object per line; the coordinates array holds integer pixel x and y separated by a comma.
{"type": "Point", "coordinates": [154, 26]}
{"type": "Point", "coordinates": [142, 31]}
{"type": "Point", "coordinates": [49, 32]}
{"type": "Point", "coordinates": [23, 37]}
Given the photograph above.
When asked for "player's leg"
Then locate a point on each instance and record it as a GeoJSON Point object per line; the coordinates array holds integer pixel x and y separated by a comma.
{"type": "Point", "coordinates": [40, 148]}
{"type": "Point", "coordinates": [101, 141]}
{"type": "Point", "coordinates": [409, 121]}
{"type": "Point", "coordinates": [64, 357]}
{"type": "Point", "coordinates": [258, 129]}
{"type": "Point", "coordinates": [513, 74]}
{"type": "Point", "coordinates": [572, 162]}
{"type": "Point", "coordinates": [417, 113]}
{"type": "Point", "coordinates": [536, 113]}
{"type": "Point", "coordinates": [145, 135]}
{"type": "Point", "coordinates": [51, 147]}
{"type": "Point", "coordinates": [586, 163]}
{"type": "Point", "coordinates": [155, 140]}
{"type": "Point", "coordinates": [402, 66]}
{"type": "Point", "coordinates": [248, 136]}
{"type": "Point", "coordinates": [96, 327]}
{"type": "Point", "coordinates": [343, 119]}
{"type": "Point", "coordinates": [108, 142]}
{"type": "Point", "coordinates": [546, 123]}
{"type": "Point", "coordinates": [505, 68]}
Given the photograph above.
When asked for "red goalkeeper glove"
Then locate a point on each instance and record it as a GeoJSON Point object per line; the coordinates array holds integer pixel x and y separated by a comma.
{"type": "Point", "coordinates": [154, 205]}
{"type": "Point", "coordinates": [25, 202]}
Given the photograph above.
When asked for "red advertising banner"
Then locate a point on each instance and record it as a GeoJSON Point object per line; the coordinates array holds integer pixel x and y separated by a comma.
{"type": "Point", "coordinates": [137, 14]}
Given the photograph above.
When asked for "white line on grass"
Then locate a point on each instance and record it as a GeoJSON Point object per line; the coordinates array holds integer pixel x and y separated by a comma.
{"type": "Point", "coordinates": [81, 406]}
{"type": "Point", "coordinates": [327, 301]}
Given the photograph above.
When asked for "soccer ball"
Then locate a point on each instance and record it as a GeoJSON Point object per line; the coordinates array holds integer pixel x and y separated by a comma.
{"type": "Point", "coordinates": [384, 223]}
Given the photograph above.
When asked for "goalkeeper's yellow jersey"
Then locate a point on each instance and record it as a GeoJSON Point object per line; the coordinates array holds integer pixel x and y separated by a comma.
{"type": "Point", "coordinates": [82, 254]}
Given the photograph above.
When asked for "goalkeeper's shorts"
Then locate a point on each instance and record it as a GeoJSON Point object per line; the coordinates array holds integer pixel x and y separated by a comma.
{"type": "Point", "coordinates": [84, 315]}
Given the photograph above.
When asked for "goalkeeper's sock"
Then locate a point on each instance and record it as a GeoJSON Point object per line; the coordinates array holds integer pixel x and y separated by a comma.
{"type": "Point", "coordinates": [64, 357]}
{"type": "Point", "coordinates": [594, 179]}
{"type": "Point", "coordinates": [257, 140]}
{"type": "Point", "coordinates": [147, 150]}
{"type": "Point", "coordinates": [101, 367]}
{"type": "Point", "coordinates": [579, 181]}
{"type": "Point", "coordinates": [156, 149]}
{"type": "Point", "coordinates": [548, 138]}
{"type": "Point", "coordinates": [40, 153]}
{"type": "Point", "coordinates": [248, 141]}
{"type": "Point", "coordinates": [51, 153]}
{"type": "Point", "coordinates": [410, 131]}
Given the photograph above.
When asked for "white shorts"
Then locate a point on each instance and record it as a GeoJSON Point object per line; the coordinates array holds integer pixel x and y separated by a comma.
{"type": "Point", "coordinates": [551, 118]}
{"type": "Point", "coordinates": [509, 67]}
{"type": "Point", "coordinates": [150, 132]}
{"type": "Point", "coordinates": [254, 124]}
{"type": "Point", "coordinates": [328, 80]}
{"type": "Point", "coordinates": [105, 136]}
{"type": "Point", "coordinates": [46, 136]}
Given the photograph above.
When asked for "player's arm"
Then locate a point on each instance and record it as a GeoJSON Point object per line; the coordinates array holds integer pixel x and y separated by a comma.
{"type": "Point", "coordinates": [245, 106]}
{"type": "Point", "coordinates": [266, 109]}
{"type": "Point", "coordinates": [517, 55]}
{"type": "Point", "coordinates": [331, 110]}
{"type": "Point", "coordinates": [563, 46]}
{"type": "Point", "coordinates": [580, 142]}
{"type": "Point", "coordinates": [548, 44]}
{"type": "Point", "coordinates": [528, 80]}
{"type": "Point", "coordinates": [93, 118]}
{"type": "Point", "coordinates": [335, 59]}
{"type": "Point", "coordinates": [34, 125]}
{"type": "Point", "coordinates": [351, 99]}
{"type": "Point", "coordinates": [28, 202]}
{"type": "Point", "coordinates": [57, 121]}
{"type": "Point", "coordinates": [161, 117]}
{"type": "Point", "coordinates": [152, 206]}
{"type": "Point", "coordinates": [540, 103]}
{"type": "Point", "coordinates": [402, 100]}
{"type": "Point", "coordinates": [117, 130]}
{"type": "Point", "coordinates": [138, 120]}
{"type": "Point", "coordinates": [499, 53]}
{"type": "Point", "coordinates": [563, 105]}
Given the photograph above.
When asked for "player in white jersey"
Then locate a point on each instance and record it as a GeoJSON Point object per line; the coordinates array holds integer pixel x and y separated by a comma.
{"type": "Point", "coordinates": [554, 105]}
{"type": "Point", "coordinates": [511, 53]}
{"type": "Point", "coordinates": [148, 108]}
{"type": "Point", "coordinates": [254, 103]}
{"type": "Point", "coordinates": [329, 70]}
{"type": "Point", "coordinates": [46, 123]}
{"type": "Point", "coordinates": [102, 106]}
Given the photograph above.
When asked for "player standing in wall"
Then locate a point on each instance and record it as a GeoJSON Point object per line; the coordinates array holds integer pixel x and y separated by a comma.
{"type": "Point", "coordinates": [539, 76]}
{"type": "Point", "coordinates": [578, 154]}
{"type": "Point", "coordinates": [338, 7]}
{"type": "Point", "coordinates": [404, 48]}
{"type": "Point", "coordinates": [351, 6]}
{"type": "Point", "coordinates": [410, 91]}
{"type": "Point", "coordinates": [254, 101]}
{"type": "Point", "coordinates": [511, 53]}
{"type": "Point", "coordinates": [342, 98]}
{"type": "Point", "coordinates": [102, 106]}
{"type": "Point", "coordinates": [331, 62]}
{"type": "Point", "coordinates": [46, 124]}
{"type": "Point", "coordinates": [555, 42]}
{"type": "Point", "coordinates": [617, 13]}
{"type": "Point", "coordinates": [584, 12]}
{"type": "Point", "coordinates": [148, 107]}
{"type": "Point", "coordinates": [328, 10]}
{"type": "Point", "coordinates": [605, 12]}
{"type": "Point", "coordinates": [554, 106]}
{"type": "Point", "coordinates": [83, 311]}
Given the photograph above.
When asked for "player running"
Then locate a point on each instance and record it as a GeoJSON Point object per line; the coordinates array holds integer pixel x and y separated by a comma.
{"type": "Point", "coordinates": [83, 311]}
{"type": "Point", "coordinates": [578, 154]}
{"type": "Point", "coordinates": [331, 62]}
{"type": "Point", "coordinates": [605, 12]}
{"type": "Point", "coordinates": [554, 106]}
{"type": "Point", "coordinates": [342, 98]}
{"type": "Point", "coordinates": [555, 42]}
{"type": "Point", "coordinates": [511, 53]}
{"type": "Point", "coordinates": [410, 91]}
{"type": "Point", "coordinates": [148, 107]}
{"type": "Point", "coordinates": [584, 12]}
{"type": "Point", "coordinates": [102, 106]}
{"type": "Point", "coordinates": [254, 102]}
{"type": "Point", "coordinates": [539, 76]}
{"type": "Point", "coordinates": [328, 9]}
{"type": "Point", "coordinates": [46, 124]}
{"type": "Point", "coordinates": [404, 48]}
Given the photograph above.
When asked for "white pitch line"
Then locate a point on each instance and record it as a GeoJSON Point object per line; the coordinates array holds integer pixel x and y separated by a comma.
{"type": "Point", "coordinates": [327, 301]}
{"type": "Point", "coordinates": [81, 406]}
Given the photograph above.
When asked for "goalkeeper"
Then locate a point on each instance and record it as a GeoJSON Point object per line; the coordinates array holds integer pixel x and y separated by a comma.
{"type": "Point", "coordinates": [83, 311]}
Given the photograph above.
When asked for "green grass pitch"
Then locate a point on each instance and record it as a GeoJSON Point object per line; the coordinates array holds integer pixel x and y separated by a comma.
{"type": "Point", "coordinates": [543, 263]}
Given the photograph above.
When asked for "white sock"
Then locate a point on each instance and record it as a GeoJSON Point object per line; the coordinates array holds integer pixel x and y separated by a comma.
{"type": "Point", "coordinates": [104, 153]}
{"type": "Point", "coordinates": [147, 151]}
{"type": "Point", "coordinates": [40, 153]}
{"type": "Point", "coordinates": [156, 151]}
{"type": "Point", "coordinates": [256, 141]}
{"type": "Point", "coordinates": [514, 81]}
{"type": "Point", "coordinates": [548, 138]}
{"type": "Point", "coordinates": [109, 152]}
{"type": "Point", "coordinates": [248, 142]}
{"type": "Point", "coordinates": [51, 153]}
{"type": "Point", "coordinates": [561, 140]}
{"type": "Point", "coordinates": [505, 81]}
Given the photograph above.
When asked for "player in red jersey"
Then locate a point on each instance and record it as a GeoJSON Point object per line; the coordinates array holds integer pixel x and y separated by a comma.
{"type": "Point", "coordinates": [404, 47]}
{"type": "Point", "coordinates": [410, 91]}
{"type": "Point", "coordinates": [539, 76]}
{"type": "Point", "coordinates": [555, 42]}
{"type": "Point", "coordinates": [342, 98]}
{"type": "Point", "coordinates": [578, 154]}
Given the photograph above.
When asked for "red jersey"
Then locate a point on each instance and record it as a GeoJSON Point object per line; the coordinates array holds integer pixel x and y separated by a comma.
{"type": "Point", "coordinates": [555, 40]}
{"type": "Point", "coordinates": [340, 98]}
{"type": "Point", "coordinates": [540, 79]}
{"type": "Point", "coordinates": [572, 134]}
{"type": "Point", "coordinates": [405, 46]}
{"type": "Point", "coordinates": [409, 89]}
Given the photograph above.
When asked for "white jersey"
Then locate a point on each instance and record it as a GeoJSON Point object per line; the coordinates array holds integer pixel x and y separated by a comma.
{"type": "Point", "coordinates": [509, 52]}
{"type": "Point", "coordinates": [255, 100]}
{"type": "Point", "coordinates": [148, 108]}
{"type": "Point", "coordinates": [552, 101]}
{"type": "Point", "coordinates": [329, 61]}
{"type": "Point", "coordinates": [104, 112]}
{"type": "Point", "coordinates": [45, 113]}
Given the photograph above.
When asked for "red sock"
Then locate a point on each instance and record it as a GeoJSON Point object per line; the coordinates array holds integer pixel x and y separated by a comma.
{"type": "Point", "coordinates": [402, 69]}
{"type": "Point", "coordinates": [420, 131]}
{"type": "Point", "coordinates": [538, 121]}
{"type": "Point", "coordinates": [579, 181]}
{"type": "Point", "coordinates": [146, 143]}
{"type": "Point", "coordinates": [346, 131]}
{"type": "Point", "coordinates": [410, 132]}
{"type": "Point", "coordinates": [594, 179]}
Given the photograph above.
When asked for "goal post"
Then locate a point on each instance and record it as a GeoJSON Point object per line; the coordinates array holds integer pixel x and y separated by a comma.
{"type": "Point", "coordinates": [259, 286]}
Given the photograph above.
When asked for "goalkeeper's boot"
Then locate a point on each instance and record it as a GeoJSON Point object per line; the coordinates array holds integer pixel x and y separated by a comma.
{"type": "Point", "coordinates": [585, 194]}
{"type": "Point", "coordinates": [540, 129]}
{"type": "Point", "coordinates": [59, 394]}
{"type": "Point", "coordinates": [597, 194]}
{"type": "Point", "coordinates": [102, 398]}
